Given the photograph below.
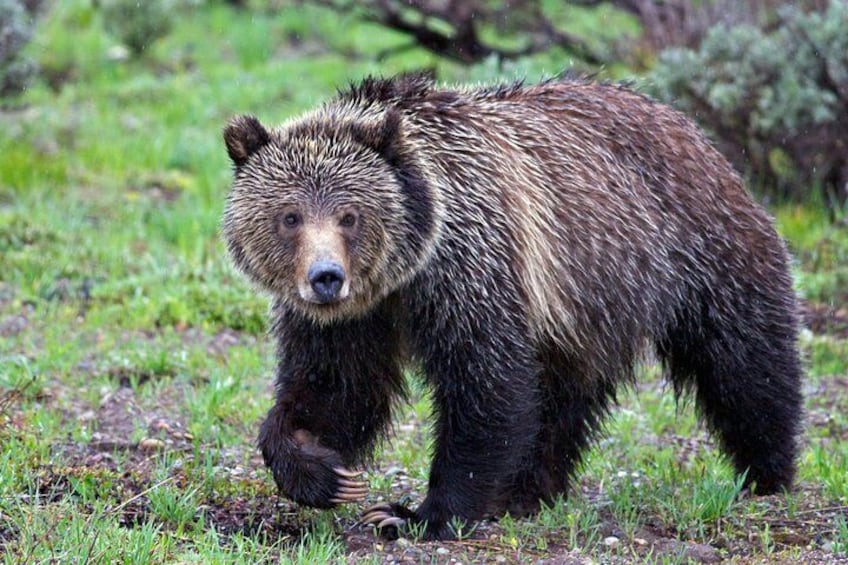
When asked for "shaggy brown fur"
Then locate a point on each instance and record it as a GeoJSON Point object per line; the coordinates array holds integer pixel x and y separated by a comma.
{"type": "Point", "coordinates": [523, 247]}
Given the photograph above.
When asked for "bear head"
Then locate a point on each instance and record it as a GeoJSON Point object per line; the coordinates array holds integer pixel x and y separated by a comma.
{"type": "Point", "coordinates": [330, 213]}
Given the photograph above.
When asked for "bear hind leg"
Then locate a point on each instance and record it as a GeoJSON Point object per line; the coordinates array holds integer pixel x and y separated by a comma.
{"type": "Point", "coordinates": [746, 377]}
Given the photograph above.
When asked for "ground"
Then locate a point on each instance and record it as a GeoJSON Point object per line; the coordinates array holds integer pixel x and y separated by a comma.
{"type": "Point", "coordinates": [135, 368]}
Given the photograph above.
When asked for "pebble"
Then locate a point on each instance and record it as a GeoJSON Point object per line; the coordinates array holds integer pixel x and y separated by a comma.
{"type": "Point", "coordinates": [151, 444]}
{"type": "Point", "coordinates": [611, 541]}
{"type": "Point", "coordinates": [442, 551]}
{"type": "Point", "coordinates": [640, 541]}
{"type": "Point", "coordinates": [162, 426]}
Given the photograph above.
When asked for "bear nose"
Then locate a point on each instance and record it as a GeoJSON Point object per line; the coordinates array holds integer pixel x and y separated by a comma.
{"type": "Point", "coordinates": [326, 279]}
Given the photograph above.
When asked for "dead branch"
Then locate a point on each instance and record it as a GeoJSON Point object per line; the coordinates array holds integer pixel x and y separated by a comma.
{"type": "Point", "coordinates": [450, 28]}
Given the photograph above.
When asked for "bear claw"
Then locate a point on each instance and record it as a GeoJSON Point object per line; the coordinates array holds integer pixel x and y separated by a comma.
{"type": "Point", "coordinates": [348, 490]}
{"type": "Point", "coordinates": [391, 521]}
{"type": "Point", "coordinates": [379, 507]}
{"type": "Point", "coordinates": [347, 473]}
{"type": "Point", "coordinates": [376, 514]}
{"type": "Point", "coordinates": [384, 518]}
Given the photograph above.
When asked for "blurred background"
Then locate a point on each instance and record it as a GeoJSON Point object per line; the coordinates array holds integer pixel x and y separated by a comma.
{"type": "Point", "coordinates": [134, 366]}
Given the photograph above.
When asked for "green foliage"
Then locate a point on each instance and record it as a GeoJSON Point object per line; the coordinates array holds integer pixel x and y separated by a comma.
{"type": "Point", "coordinates": [840, 541]}
{"type": "Point", "coordinates": [777, 100]}
{"type": "Point", "coordinates": [16, 27]}
{"type": "Point", "coordinates": [829, 464]}
{"type": "Point", "coordinates": [138, 24]}
{"type": "Point", "coordinates": [17, 234]}
{"type": "Point", "coordinates": [176, 506]}
{"type": "Point", "coordinates": [821, 248]}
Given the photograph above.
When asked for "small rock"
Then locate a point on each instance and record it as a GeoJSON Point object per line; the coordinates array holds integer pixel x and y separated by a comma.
{"type": "Point", "coordinates": [640, 541]}
{"type": "Point", "coordinates": [611, 541]}
{"type": "Point", "coordinates": [402, 543]}
{"type": "Point", "coordinates": [99, 459]}
{"type": "Point", "coordinates": [702, 553]}
{"type": "Point", "coordinates": [151, 444]}
{"type": "Point", "coordinates": [162, 425]}
{"type": "Point", "coordinates": [442, 550]}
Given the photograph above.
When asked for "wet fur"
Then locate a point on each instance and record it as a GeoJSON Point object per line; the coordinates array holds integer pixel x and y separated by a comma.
{"type": "Point", "coordinates": [533, 242]}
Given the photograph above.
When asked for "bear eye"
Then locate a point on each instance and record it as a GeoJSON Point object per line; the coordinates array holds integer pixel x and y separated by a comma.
{"type": "Point", "coordinates": [348, 220]}
{"type": "Point", "coordinates": [291, 220]}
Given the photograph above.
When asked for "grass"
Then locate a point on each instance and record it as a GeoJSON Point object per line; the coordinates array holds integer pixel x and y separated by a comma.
{"type": "Point", "coordinates": [135, 369]}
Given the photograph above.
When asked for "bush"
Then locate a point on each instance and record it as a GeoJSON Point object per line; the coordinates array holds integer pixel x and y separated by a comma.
{"type": "Point", "coordinates": [776, 101]}
{"type": "Point", "coordinates": [137, 24]}
{"type": "Point", "coordinates": [16, 26]}
{"type": "Point", "coordinates": [685, 23]}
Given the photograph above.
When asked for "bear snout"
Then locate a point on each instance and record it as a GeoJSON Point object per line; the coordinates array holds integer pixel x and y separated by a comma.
{"type": "Point", "coordinates": [326, 279]}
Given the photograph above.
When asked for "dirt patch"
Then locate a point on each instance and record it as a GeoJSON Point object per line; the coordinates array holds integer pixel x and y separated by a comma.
{"type": "Point", "coordinates": [119, 417]}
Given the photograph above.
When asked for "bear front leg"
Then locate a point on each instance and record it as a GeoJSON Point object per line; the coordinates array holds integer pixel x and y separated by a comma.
{"type": "Point", "coordinates": [489, 408]}
{"type": "Point", "coordinates": [336, 386]}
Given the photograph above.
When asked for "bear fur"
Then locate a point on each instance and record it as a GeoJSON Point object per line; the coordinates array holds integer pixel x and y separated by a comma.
{"type": "Point", "coordinates": [522, 247]}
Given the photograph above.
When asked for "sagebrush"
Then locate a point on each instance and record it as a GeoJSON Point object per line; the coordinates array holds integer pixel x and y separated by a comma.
{"type": "Point", "coordinates": [777, 101]}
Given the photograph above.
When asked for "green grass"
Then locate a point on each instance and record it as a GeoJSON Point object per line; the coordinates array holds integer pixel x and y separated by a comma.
{"type": "Point", "coordinates": [134, 362]}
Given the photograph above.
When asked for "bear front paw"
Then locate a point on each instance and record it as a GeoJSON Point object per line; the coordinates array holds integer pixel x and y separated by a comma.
{"type": "Point", "coordinates": [310, 474]}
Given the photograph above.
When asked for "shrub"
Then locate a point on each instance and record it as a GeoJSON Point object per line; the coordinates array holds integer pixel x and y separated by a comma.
{"type": "Point", "coordinates": [667, 23]}
{"type": "Point", "coordinates": [777, 101]}
{"type": "Point", "coordinates": [16, 26]}
{"type": "Point", "coordinates": [137, 24]}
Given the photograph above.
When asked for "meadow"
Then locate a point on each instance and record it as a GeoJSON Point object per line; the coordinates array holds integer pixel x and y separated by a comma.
{"type": "Point", "coordinates": [135, 367]}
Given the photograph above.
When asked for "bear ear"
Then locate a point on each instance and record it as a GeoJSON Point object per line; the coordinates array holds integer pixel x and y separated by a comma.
{"type": "Point", "coordinates": [382, 137]}
{"type": "Point", "coordinates": [244, 136]}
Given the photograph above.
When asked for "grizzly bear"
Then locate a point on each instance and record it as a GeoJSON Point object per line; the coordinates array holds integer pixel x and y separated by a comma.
{"type": "Point", "coordinates": [523, 248]}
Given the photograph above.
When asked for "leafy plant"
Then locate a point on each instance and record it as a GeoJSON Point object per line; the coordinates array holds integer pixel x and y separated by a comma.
{"type": "Point", "coordinates": [777, 100]}
{"type": "Point", "coordinates": [137, 24]}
